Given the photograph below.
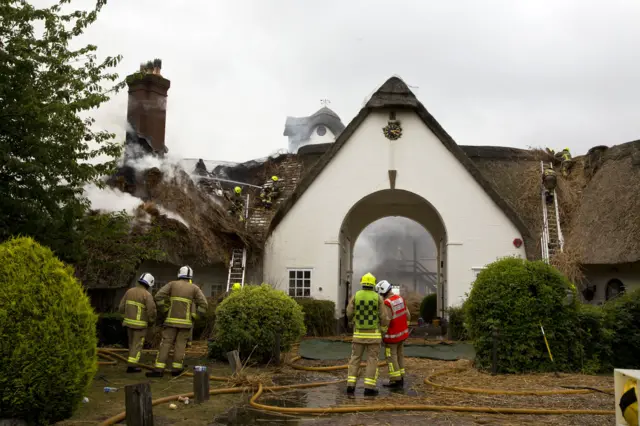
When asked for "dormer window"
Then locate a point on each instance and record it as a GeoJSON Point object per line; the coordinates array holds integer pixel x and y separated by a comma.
{"type": "Point", "coordinates": [321, 130]}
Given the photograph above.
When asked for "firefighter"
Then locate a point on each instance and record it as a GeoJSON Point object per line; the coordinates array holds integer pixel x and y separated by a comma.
{"type": "Point", "coordinates": [237, 204]}
{"type": "Point", "coordinates": [193, 313]}
{"type": "Point", "coordinates": [139, 311]}
{"type": "Point", "coordinates": [367, 311]}
{"type": "Point", "coordinates": [269, 191]}
{"type": "Point", "coordinates": [181, 294]}
{"type": "Point", "coordinates": [567, 162]}
{"type": "Point", "coordinates": [549, 180]}
{"type": "Point", "coordinates": [397, 333]}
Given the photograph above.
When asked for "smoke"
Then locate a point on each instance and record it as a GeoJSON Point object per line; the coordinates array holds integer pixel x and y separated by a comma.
{"type": "Point", "coordinates": [387, 240]}
{"type": "Point", "coordinates": [140, 160]}
{"type": "Point", "coordinates": [111, 200]}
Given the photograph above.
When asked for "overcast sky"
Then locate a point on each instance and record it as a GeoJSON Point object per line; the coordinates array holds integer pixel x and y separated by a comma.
{"type": "Point", "coordinates": [493, 72]}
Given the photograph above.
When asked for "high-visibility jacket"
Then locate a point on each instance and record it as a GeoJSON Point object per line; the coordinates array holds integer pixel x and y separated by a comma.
{"type": "Point", "coordinates": [181, 295]}
{"type": "Point", "coordinates": [361, 310]}
{"type": "Point", "coordinates": [399, 325]}
{"type": "Point", "coordinates": [138, 308]}
{"type": "Point", "coordinates": [549, 172]}
{"type": "Point", "coordinates": [566, 155]}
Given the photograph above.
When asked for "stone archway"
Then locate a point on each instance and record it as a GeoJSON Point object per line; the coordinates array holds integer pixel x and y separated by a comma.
{"type": "Point", "coordinates": [390, 203]}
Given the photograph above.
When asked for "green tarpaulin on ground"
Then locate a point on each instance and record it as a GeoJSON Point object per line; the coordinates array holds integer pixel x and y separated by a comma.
{"type": "Point", "coordinates": [321, 349]}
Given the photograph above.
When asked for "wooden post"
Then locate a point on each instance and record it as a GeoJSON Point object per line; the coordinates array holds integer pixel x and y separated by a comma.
{"type": "Point", "coordinates": [234, 362]}
{"type": "Point", "coordinates": [139, 411]}
{"type": "Point", "coordinates": [200, 384]}
{"type": "Point", "coordinates": [276, 350]}
{"type": "Point", "coordinates": [494, 352]}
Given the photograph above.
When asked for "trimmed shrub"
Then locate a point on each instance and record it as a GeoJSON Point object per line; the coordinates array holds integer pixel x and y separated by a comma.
{"type": "Point", "coordinates": [429, 308]}
{"type": "Point", "coordinates": [595, 339]}
{"type": "Point", "coordinates": [248, 321]}
{"type": "Point", "coordinates": [622, 318]}
{"type": "Point", "coordinates": [516, 296]}
{"type": "Point", "coordinates": [319, 316]}
{"type": "Point", "coordinates": [456, 323]}
{"type": "Point", "coordinates": [47, 335]}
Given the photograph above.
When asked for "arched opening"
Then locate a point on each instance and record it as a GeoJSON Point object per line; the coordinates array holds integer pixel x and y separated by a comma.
{"type": "Point", "coordinates": [404, 225]}
{"type": "Point", "coordinates": [614, 289]}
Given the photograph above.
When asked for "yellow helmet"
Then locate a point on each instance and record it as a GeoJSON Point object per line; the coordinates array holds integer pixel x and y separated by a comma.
{"type": "Point", "coordinates": [368, 280]}
{"type": "Point", "coordinates": [566, 149]}
{"type": "Point", "coordinates": [237, 190]}
{"type": "Point", "coordinates": [274, 178]}
{"type": "Point", "coordinates": [629, 403]}
{"type": "Point", "coordinates": [236, 286]}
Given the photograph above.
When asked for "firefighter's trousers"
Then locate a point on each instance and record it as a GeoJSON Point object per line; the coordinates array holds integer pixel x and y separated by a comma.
{"type": "Point", "coordinates": [371, 372]}
{"type": "Point", "coordinates": [136, 343]}
{"type": "Point", "coordinates": [176, 338]}
{"type": "Point", "coordinates": [394, 353]}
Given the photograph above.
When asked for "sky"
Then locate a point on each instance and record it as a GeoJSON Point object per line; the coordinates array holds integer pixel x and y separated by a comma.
{"type": "Point", "coordinates": [557, 73]}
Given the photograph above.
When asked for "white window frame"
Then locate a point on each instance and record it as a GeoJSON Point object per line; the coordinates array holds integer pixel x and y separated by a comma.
{"type": "Point", "coordinates": [476, 270]}
{"type": "Point", "coordinates": [299, 282]}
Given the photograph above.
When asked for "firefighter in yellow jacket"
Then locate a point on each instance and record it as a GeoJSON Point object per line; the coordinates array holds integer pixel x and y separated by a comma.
{"type": "Point", "coordinates": [139, 311]}
{"type": "Point", "coordinates": [181, 295]}
{"type": "Point", "coordinates": [370, 317]}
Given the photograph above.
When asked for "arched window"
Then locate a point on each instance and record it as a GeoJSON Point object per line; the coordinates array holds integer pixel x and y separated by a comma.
{"type": "Point", "coordinates": [614, 289]}
{"type": "Point", "coordinates": [321, 130]}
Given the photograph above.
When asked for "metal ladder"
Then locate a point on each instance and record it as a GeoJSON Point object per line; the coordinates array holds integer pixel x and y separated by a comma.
{"type": "Point", "coordinates": [237, 267]}
{"type": "Point", "coordinates": [552, 238]}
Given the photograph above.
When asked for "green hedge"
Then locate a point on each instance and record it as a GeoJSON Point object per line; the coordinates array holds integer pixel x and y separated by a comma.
{"type": "Point", "coordinates": [516, 296]}
{"type": "Point", "coordinates": [47, 335]}
{"type": "Point", "coordinates": [319, 316]}
{"type": "Point", "coordinates": [248, 320]}
{"type": "Point", "coordinates": [429, 308]}
{"type": "Point", "coordinates": [456, 323]}
{"type": "Point", "coordinates": [595, 338]}
{"type": "Point", "coordinates": [622, 321]}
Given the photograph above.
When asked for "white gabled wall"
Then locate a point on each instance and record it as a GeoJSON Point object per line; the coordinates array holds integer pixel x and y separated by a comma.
{"type": "Point", "coordinates": [478, 231]}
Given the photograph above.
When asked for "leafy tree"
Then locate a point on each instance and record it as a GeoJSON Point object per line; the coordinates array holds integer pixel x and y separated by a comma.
{"type": "Point", "coordinates": [48, 152]}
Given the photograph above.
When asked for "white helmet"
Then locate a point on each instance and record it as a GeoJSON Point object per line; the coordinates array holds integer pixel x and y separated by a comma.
{"type": "Point", "coordinates": [147, 279]}
{"type": "Point", "coordinates": [383, 287]}
{"type": "Point", "coordinates": [185, 272]}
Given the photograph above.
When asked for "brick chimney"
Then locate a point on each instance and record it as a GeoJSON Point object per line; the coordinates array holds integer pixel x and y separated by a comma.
{"type": "Point", "coordinates": [147, 107]}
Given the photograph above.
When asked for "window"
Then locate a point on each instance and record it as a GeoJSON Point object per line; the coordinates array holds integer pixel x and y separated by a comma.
{"type": "Point", "coordinates": [614, 289]}
{"type": "Point", "coordinates": [321, 130]}
{"type": "Point", "coordinates": [300, 282]}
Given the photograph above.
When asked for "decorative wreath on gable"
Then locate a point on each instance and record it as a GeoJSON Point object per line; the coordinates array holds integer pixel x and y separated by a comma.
{"type": "Point", "coordinates": [392, 131]}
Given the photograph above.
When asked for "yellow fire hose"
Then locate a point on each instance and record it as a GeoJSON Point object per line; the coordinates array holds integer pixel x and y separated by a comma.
{"type": "Point", "coordinates": [373, 407]}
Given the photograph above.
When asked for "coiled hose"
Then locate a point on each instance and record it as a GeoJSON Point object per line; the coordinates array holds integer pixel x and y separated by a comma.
{"type": "Point", "coordinates": [372, 407]}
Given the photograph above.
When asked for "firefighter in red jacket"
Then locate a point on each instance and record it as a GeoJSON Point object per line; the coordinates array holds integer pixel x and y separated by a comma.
{"type": "Point", "coordinates": [397, 333]}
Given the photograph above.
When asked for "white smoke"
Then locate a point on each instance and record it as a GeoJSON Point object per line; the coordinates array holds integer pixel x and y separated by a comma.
{"type": "Point", "coordinates": [111, 200]}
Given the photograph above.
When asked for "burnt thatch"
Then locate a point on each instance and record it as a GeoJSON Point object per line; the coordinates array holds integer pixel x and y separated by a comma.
{"type": "Point", "coordinates": [200, 230]}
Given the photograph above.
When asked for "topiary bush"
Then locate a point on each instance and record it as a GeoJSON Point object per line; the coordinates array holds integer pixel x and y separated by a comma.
{"type": "Point", "coordinates": [319, 316]}
{"type": "Point", "coordinates": [429, 308]}
{"type": "Point", "coordinates": [622, 321]}
{"type": "Point", "coordinates": [249, 319]}
{"type": "Point", "coordinates": [47, 335]}
{"type": "Point", "coordinates": [516, 296]}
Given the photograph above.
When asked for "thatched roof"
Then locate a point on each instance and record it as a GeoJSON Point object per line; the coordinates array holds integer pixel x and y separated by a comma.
{"type": "Point", "coordinates": [396, 94]}
{"type": "Point", "coordinates": [605, 226]}
{"type": "Point", "coordinates": [209, 234]}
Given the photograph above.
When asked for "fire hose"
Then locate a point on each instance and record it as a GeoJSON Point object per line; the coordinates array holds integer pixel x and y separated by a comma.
{"type": "Point", "coordinates": [373, 407]}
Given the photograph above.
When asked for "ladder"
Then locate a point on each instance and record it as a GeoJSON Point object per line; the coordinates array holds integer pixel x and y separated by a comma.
{"type": "Point", "coordinates": [551, 239]}
{"type": "Point", "coordinates": [237, 267]}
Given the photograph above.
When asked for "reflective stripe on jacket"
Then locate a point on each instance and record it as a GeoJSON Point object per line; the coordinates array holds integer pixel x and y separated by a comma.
{"type": "Point", "coordinates": [399, 325]}
{"type": "Point", "coordinates": [367, 336]}
{"type": "Point", "coordinates": [180, 295]}
{"type": "Point", "coordinates": [138, 308]}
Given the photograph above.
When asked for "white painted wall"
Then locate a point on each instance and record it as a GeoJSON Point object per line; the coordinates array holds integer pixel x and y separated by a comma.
{"type": "Point", "coordinates": [600, 275]}
{"type": "Point", "coordinates": [308, 236]}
